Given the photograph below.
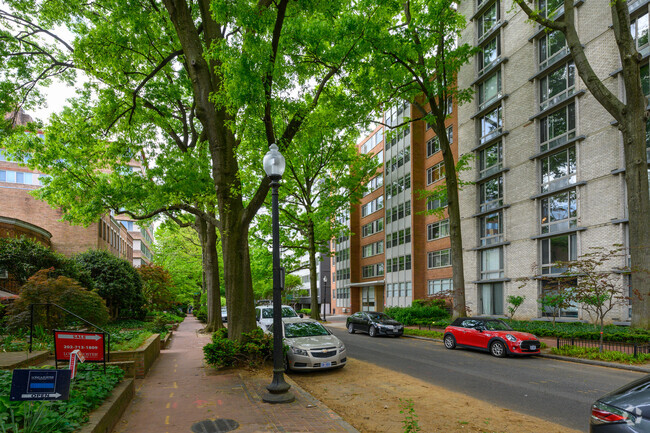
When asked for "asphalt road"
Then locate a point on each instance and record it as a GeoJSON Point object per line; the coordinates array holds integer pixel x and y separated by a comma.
{"type": "Point", "coordinates": [557, 391]}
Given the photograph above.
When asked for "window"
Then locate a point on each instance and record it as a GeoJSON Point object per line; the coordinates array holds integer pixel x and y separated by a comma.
{"type": "Point", "coordinates": [559, 212]}
{"type": "Point", "coordinates": [558, 127]}
{"type": "Point", "coordinates": [492, 264]}
{"type": "Point", "coordinates": [397, 186]}
{"type": "Point", "coordinates": [372, 206]}
{"type": "Point", "coordinates": [439, 259]}
{"type": "Point", "coordinates": [450, 134]}
{"type": "Point", "coordinates": [488, 20]}
{"type": "Point", "coordinates": [437, 230]}
{"type": "Point", "coordinates": [489, 55]}
{"type": "Point", "coordinates": [434, 203]}
{"type": "Point", "coordinates": [491, 194]}
{"type": "Point", "coordinates": [437, 287]}
{"type": "Point", "coordinates": [342, 255]}
{"type": "Point", "coordinates": [491, 228]}
{"type": "Point", "coordinates": [403, 157]}
{"type": "Point", "coordinates": [491, 298]}
{"type": "Point", "coordinates": [559, 248]}
{"type": "Point", "coordinates": [374, 184]}
{"type": "Point", "coordinates": [380, 157]}
{"type": "Point", "coordinates": [639, 29]}
{"type": "Point", "coordinates": [551, 288]}
{"type": "Point", "coordinates": [371, 228]}
{"type": "Point", "coordinates": [491, 125]}
{"type": "Point", "coordinates": [436, 173]}
{"type": "Point", "coordinates": [552, 46]}
{"type": "Point", "coordinates": [433, 146]}
{"type": "Point", "coordinates": [551, 8]}
{"type": "Point", "coordinates": [557, 86]}
{"type": "Point", "coordinates": [490, 160]}
{"type": "Point", "coordinates": [398, 212]}
{"type": "Point", "coordinates": [400, 237]}
{"type": "Point", "coordinates": [559, 170]}
{"type": "Point", "coordinates": [372, 249]}
{"type": "Point", "coordinates": [489, 90]}
{"type": "Point", "coordinates": [373, 270]}
{"type": "Point", "coordinates": [400, 263]}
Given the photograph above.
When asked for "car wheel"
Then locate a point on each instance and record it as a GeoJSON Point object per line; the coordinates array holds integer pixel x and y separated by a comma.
{"type": "Point", "coordinates": [350, 328]}
{"type": "Point", "coordinates": [372, 331]}
{"type": "Point", "coordinates": [498, 349]}
{"type": "Point", "coordinates": [450, 341]}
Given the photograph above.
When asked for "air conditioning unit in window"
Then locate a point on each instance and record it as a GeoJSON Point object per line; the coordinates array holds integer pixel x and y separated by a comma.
{"type": "Point", "coordinates": [3, 274]}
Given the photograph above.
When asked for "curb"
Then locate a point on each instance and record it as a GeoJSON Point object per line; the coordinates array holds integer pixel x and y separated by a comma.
{"type": "Point", "coordinates": [564, 358]}
{"type": "Point", "coordinates": [106, 416]}
{"type": "Point", "coordinates": [314, 401]}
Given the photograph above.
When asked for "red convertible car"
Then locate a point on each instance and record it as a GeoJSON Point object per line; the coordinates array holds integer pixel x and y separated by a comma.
{"type": "Point", "coordinates": [492, 335]}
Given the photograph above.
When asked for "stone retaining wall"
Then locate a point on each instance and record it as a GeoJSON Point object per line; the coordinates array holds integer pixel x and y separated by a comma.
{"type": "Point", "coordinates": [143, 357]}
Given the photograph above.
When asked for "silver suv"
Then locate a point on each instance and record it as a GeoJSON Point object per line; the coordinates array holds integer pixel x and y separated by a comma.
{"type": "Point", "coordinates": [264, 315]}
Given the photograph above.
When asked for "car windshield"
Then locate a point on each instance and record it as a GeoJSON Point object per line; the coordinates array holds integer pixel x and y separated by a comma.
{"type": "Point", "coordinates": [497, 325]}
{"type": "Point", "coordinates": [267, 313]}
{"type": "Point", "coordinates": [304, 329]}
{"type": "Point", "coordinates": [378, 316]}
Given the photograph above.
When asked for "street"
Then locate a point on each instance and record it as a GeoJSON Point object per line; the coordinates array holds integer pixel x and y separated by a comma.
{"type": "Point", "coordinates": [557, 391]}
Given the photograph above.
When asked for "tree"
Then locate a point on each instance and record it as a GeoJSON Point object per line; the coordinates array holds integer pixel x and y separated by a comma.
{"type": "Point", "coordinates": [45, 286]}
{"type": "Point", "coordinates": [418, 59]}
{"type": "Point", "coordinates": [23, 257]}
{"type": "Point", "coordinates": [515, 302]}
{"type": "Point", "coordinates": [117, 282]}
{"type": "Point", "coordinates": [594, 284]}
{"type": "Point", "coordinates": [234, 76]}
{"type": "Point", "coordinates": [157, 287]}
{"type": "Point", "coordinates": [631, 116]}
{"type": "Point", "coordinates": [324, 174]}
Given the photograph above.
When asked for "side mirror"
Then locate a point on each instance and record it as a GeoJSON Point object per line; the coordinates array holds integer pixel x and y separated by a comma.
{"type": "Point", "coordinates": [480, 328]}
{"type": "Point", "coordinates": [301, 315]}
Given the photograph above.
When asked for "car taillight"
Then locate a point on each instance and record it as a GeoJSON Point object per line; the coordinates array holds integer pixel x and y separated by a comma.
{"type": "Point", "coordinates": [602, 413]}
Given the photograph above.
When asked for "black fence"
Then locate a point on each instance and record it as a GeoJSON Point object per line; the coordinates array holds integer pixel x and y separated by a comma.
{"type": "Point", "coordinates": [629, 348]}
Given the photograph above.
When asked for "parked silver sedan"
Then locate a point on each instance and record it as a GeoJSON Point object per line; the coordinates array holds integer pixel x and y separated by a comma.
{"type": "Point", "coordinates": [311, 346]}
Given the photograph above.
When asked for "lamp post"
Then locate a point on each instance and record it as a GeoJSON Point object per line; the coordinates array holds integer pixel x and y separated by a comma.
{"type": "Point", "coordinates": [324, 298]}
{"type": "Point", "coordinates": [278, 389]}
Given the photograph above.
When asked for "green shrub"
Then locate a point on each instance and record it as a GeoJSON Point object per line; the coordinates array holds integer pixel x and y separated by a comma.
{"type": "Point", "coordinates": [252, 351]}
{"type": "Point", "coordinates": [43, 287]}
{"type": "Point", "coordinates": [424, 333]}
{"type": "Point", "coordinates": [422, 313]}
{"type": "Point", "coordinates": [202, 314]}
{"type": "Point", "coordinates": [583, 331]}
{"type": "Point", "coordinates": [306, 311]}
{"type": "Point", "coordinates": [606, 355]}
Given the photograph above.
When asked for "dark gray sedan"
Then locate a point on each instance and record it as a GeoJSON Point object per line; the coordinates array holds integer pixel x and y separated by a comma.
{"type": "Point", "coordinates": [626, 410]}
{"type": "Point", "coordinates": [374, 324]}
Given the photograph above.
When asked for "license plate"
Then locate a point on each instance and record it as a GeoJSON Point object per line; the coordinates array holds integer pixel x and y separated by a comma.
{"type": "Point", "coordinates": [533, 347]}
{"type": "Point", "coordinates": [325, 364]}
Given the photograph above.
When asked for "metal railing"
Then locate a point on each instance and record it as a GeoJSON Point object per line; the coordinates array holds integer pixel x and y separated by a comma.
{"type": "Point", "coordinates": [629, 348]}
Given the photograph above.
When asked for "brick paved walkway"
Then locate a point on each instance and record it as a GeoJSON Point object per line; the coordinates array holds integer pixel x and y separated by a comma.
{"type": "Point", "coordinates": [180, 391]}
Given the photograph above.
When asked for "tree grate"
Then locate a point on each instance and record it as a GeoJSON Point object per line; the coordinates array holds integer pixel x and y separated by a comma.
{"type": "Point", "coordinates": [215, 426]}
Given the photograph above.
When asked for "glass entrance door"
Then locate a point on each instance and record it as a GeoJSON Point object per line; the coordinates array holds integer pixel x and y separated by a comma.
{"type": "Point", "coordinates": [367, 299]}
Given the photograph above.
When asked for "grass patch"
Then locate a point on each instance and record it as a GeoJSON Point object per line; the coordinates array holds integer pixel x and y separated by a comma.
{"type": "Point", "coordinates": [423, 333]}
{"type": "Point", "coordinates": [129, 340]}
{"type": "Point", "coordinates": [605, 355]}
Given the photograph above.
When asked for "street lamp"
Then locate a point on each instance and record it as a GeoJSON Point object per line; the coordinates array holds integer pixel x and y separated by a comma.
{"type": "Point", "coordinates": [325, 298]}
{"type": "Point", "coordinates": [278, 389]}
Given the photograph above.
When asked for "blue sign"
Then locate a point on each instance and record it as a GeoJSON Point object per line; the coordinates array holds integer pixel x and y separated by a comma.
{"type": "Point", "coordinates": [40, 385]}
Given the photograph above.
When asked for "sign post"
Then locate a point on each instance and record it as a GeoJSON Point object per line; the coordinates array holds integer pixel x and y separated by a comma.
{"type": "Point", "coordinates": [27, 385]}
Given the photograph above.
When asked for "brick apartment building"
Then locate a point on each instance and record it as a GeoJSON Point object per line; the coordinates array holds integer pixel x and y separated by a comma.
{"type": "Point", "coordinates": [22, 214]}
{"type": "Point", "coordinates": [548, 172]}
{"type": "Point", "coordinates": [396, 252]}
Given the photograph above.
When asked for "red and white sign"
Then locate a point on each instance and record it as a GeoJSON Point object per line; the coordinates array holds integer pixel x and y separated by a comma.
{"type": "Point", "coordinates": [91, 344]}
{"type": "Point", "coordinates": [73, 362]}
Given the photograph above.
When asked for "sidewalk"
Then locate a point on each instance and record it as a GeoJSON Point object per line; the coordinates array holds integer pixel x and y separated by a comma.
{"type": "Point", "coordinates": [180, 392]}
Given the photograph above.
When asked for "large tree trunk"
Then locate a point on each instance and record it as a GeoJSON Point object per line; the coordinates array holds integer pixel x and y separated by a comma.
{"type": "Point", "coordinates": [315, 310]}
{"type": "Point", "coordinates": [212, 270]}
{"type": "Point", "coordinates": [453, 209]}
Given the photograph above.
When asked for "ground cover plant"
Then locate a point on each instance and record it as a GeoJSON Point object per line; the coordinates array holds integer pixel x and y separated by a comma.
{"type": "Point", "coordinates": [418, 313]}
{"type": "Point", "coordinates": [581, 330]}
{"type": "Point", "coordinates": [605, 355]}
{"type": "Point", "coordinates": [88, 390]}
{"type": "Point", "coordinates": [424, 333]}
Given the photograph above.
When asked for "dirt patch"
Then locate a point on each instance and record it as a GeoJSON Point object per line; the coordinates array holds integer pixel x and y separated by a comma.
{"type": "Point", "coordinates": [368, 397]}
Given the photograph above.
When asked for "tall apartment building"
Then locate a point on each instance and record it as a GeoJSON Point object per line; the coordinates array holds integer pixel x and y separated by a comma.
{"type": "Point", "coordinates": [548, 183]}
{"type": "Point", "coordinates": [396, 252]}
